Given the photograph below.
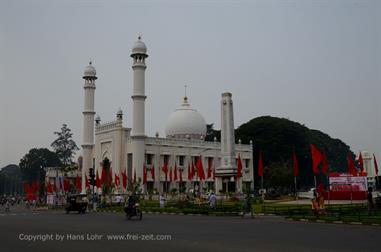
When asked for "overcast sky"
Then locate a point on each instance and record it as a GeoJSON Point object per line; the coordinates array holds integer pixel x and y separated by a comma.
{"type": "Point", "coordinates": [314, 62]}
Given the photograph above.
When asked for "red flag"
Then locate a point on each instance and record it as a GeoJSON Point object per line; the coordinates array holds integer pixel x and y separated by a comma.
{"type": "Point", "coordinates": [361, 162]}
{"type": "Point", "coordinates": [35, 186]}
{"type": "Point", "coordinates": [317, 157]}
{"type": "Point", "coordinates": [78, 183]}
{"type": "Point", "coordinates": [87, 181]}
{"type": "Point", "coordinates": [170, 175]}
{"type": "Point", "coordinates": [189, 172]}
{"type": "Point", "coordinates": [26, 188]}
{"type": "Point", "coordinates": [181, 175]}
{"type": "Point", "coordinates": [375, 165]}
{"type": "Point", "coordinates": [209, 167]}
{"type": "Point", "coordinates": [49, 188]}
{"type": "Point", "coordinates": [144, 174]}
{"type": "Point", "coordinates": [239, 167]}
{"type": "Point", "coordinates": [54, 185]}
{"type": "Point", "coordinates": [324, 164]}
{"type": "Point", "coordinates": [104, 175]}
{"type": "Point", "coordinates": [66, 185]}
{"type": "Point", "coordinates": [295, 163]}
{"type": "Point", "coordinates": [117, 180]}
{"type": "Point", "coordinates": [260, 165]}
{"type": "Point", "coordinates": [351, 165]}
{"type": "Point", "coordinates": [153, 172]}
{"type": "Point", "coordinates": [124, 179]}
{"type": "Point", "coordinates": [193, 170]}
{"type": "Point", "coordinates": [165, 170]}
{"type": "Point", "coordinates": [175, 172]}
{"type": "Point", "coordinates": [98, 182]}
{"type": "Point", "coordinates": [200, 169]}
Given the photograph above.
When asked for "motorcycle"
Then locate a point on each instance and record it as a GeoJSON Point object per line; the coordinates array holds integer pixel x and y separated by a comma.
{"type": "Point", "coordinates": [133, 211]}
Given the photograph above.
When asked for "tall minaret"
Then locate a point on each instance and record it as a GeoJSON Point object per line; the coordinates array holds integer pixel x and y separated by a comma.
{"type": "Point", "coordinates": [139, 54]}
{"type": "Point", "coordinates": [88, 122]}
{"type": "Point", "coordinates": [228, 167]}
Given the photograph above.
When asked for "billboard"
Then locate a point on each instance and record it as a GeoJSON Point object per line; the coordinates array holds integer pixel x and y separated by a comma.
{"type": "Point", "coordinates": [346, 182]}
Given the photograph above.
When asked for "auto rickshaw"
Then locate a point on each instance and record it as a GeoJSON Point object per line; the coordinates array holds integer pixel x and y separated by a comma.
{"type": "Point", "coordinates": [76, 203]}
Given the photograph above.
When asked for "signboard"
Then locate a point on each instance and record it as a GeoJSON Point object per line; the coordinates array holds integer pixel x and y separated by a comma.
{"type": "Point", "coordinates": [348, 183]}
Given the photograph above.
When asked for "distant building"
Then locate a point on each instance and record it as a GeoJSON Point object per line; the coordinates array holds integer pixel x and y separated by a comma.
{"type": "Point", "coordinates": [129, 149]}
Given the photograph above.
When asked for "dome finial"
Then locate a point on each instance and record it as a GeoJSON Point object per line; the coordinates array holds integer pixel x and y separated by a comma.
{"type": "Point", "coordinates": [140, 36]}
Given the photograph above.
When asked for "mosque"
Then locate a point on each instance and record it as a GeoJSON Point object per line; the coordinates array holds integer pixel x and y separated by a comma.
{"type": "Point", "coordinates": [143, 158]}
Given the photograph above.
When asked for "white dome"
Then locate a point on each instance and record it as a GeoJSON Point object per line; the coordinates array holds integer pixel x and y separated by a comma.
{"type": "Point", "coordinates": [89, 71]}
{"type": "Point", "coordinates": [186, 122]}
{"type": "Point", "coordinates": [139, 47]}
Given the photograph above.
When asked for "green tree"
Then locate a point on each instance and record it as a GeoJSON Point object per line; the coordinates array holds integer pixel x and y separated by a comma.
{"type": "Point", "coordinates": [279, 175]}
{"type": "Point", "coordinates": [64, 146]}
{"type": "Point", "coordinates": [33, 163]}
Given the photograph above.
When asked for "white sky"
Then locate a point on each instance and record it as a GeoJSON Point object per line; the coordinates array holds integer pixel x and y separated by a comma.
{"type": "Point", "coordinates": [315, 62]}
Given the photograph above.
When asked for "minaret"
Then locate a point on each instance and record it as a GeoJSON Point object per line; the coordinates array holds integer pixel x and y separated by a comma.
{"type": "Point", "coordinates": [139, 54]}
{"type": "Point", "coordinates": [228, 167]}
{"type": "Point", "coordinates": [88, 121]}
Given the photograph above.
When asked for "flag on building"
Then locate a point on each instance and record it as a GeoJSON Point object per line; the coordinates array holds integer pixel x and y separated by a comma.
{"type": "Point", "coordinates": [324, 167]}
{"type": "Point", "coordinates": [361, 162]}
{"type": "Point", "coordinates": [200, 169]}
{"type": "Point", "coordinates": [144, 174]}
{"type": "Point", "coordinates": [351, 165]}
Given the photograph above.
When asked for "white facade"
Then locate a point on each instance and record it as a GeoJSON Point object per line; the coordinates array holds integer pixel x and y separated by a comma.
{"type": "Point", "coordinates": [129, 149]}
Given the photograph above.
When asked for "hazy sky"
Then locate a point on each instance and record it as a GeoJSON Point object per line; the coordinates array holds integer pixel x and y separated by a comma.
{"type": "Point", "coordinates": [315, 62]}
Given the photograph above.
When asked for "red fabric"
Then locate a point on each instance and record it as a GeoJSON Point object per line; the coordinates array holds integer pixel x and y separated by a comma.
{"type": "Point", "coordinates": [209, 167]}
{"type": "Point", "coordinates": [320, 189]}
{"type": "Point", "coordinates": [61, 185]}
{"type": "Point", "coordinates": [260, 165]}
{"type": "Point", "coordinates": [35, 186]}
{"type": "Point", "coordinates": [375, 165]}
{"type": "Point", "coordinates": [66, 185]}
{"type": "Point", "coordinates": [104, 175]}
{"type": "Point", "coordinates": [324, 164]}
{"type": "Point", "coordinates": [239, 167]}
{"type": "Point", "coordinates": [361, 162]}
{"type": "Point", "coordinates": [78, 183]}
{"type": "Point", "coordinates": [175, 173]}
{"type": "Point", "coordinates": [153, 172]}
{"type": "Point", "coordinates": [295, 163]}
{"type": "Point", "coordinates": [98, 182]}
{"type": "Point", "coordinates": [165, 170]}
{"type": "Point", "coordinates": [351, 166]}
{"type": "Point", "coordinates": [200, 169]}
{"type": "Point", "coordinates": [124, 179]}
{"type": "Point", "coordinates": [144, 174]}
{"type": "Point", "coordinates": [345, 195]}
{"type": "Point", "coordinates": [49, 188]}
{"type": "Point", "coordinates": [317, 157]}
{"type": "Point", "coordinates": [117, 180]}
{"type": "Point", "coordinates": [170, 175]}
{"type": "Point", "coordinates": [193, 170]}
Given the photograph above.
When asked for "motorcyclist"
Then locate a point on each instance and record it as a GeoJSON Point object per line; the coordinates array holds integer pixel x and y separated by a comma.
{"type": "Point", "coordinates": [131, 203]}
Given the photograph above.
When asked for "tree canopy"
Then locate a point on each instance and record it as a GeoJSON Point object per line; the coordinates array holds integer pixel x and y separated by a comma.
{"type": "Point", "coordinates": [64, 146]}
{"type": "Point", "coordinates": [277, 138]}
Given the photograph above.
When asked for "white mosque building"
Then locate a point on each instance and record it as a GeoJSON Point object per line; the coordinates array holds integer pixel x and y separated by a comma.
{"type": "Point", "coordinates": [130, 150]}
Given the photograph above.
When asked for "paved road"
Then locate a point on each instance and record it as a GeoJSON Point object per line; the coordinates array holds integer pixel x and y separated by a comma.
{"type": "Point", "coordinates": [188, 233]}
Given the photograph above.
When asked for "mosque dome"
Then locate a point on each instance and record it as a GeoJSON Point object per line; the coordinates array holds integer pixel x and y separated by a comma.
{"type": "Point", "coordinates": [186, 122]}
{"type": "Point", "coordinates": [139, 47]}
{"type": "Point", "coordinates": [89, 71]}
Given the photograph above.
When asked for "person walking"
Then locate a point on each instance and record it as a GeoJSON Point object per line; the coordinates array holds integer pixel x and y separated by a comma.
{"type": "Point", "coordinates": [212, 201]}
{"type": "Point", "coordinates": [7, 206]}
{"type": "Point", "coordinates": [247, 206]}
{"type": "Point", "coordinates": [162, 201]}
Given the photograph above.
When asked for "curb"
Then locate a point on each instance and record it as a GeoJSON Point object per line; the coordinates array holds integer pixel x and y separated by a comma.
{"type": "Point", "coordinates": [334, 222]}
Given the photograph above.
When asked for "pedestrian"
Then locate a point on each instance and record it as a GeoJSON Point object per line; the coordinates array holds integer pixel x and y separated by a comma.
{"type": "Point", "coordinates": [212, 201]}
{"type": "Point", "coordinates": [247, 208]}
{"type": "Point", "coordinates": [7, 206]}
{"type": "Point", "coordinates": [162, 201]}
